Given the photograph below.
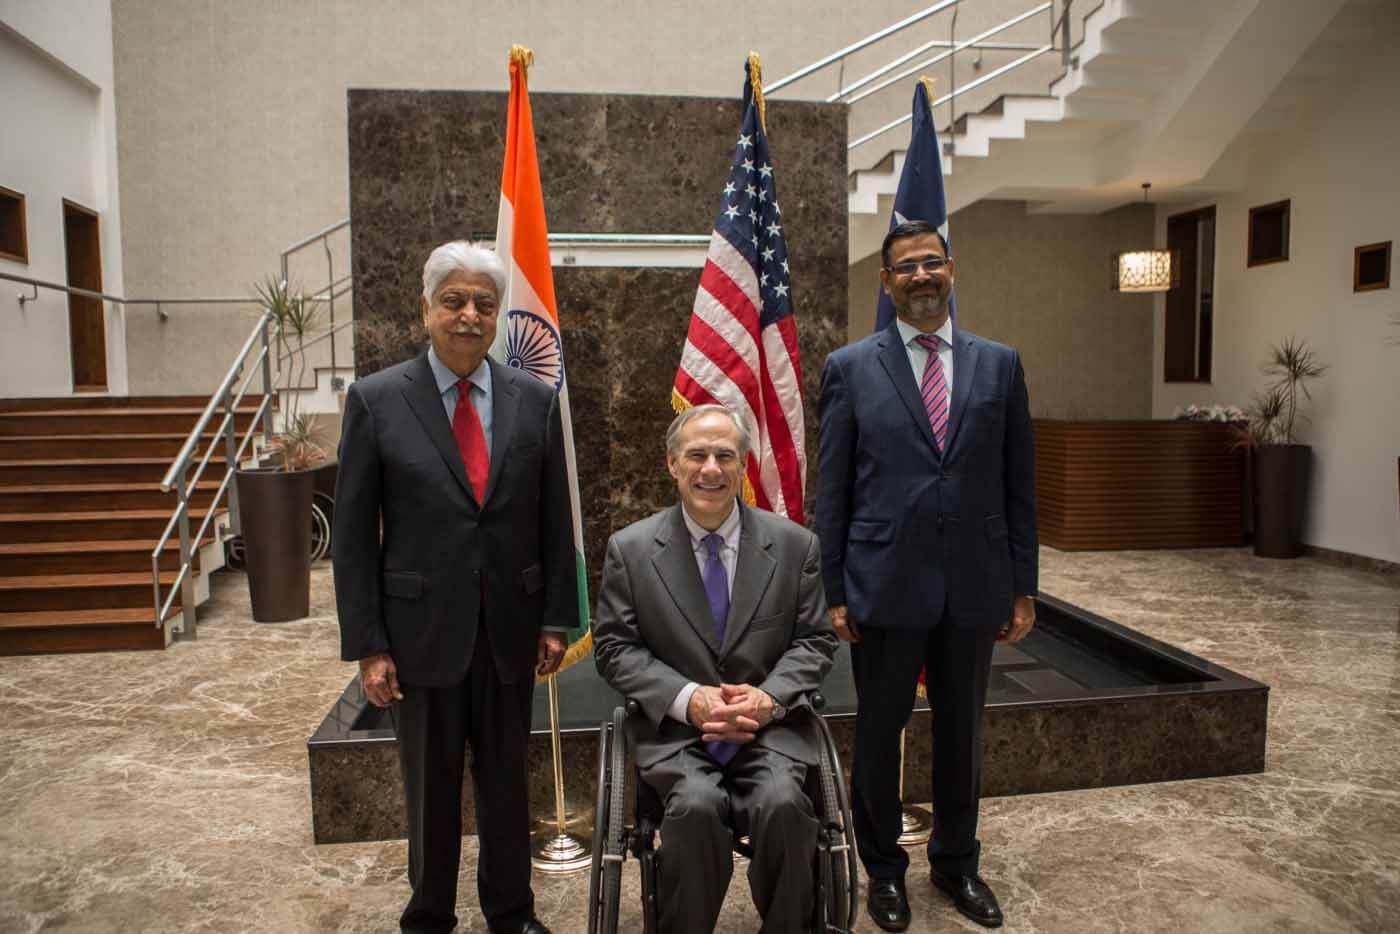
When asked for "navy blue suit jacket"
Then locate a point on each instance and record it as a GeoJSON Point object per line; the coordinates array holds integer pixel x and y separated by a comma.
{"type": "Point", "coordinates": [910, 534]}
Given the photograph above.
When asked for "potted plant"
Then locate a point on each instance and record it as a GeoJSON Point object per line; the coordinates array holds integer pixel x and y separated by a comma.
{"type": "Point", "coordinates": [274, 499]}
{"type": "Point", "coordinates": [1281, 466]}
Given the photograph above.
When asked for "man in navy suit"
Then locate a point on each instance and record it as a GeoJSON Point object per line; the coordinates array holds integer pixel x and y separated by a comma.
{"type": "Point", "coordinates": [926, 513]}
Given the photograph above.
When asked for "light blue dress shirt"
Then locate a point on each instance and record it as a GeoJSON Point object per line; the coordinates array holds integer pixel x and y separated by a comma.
{"type": "Point", "coordinates": [447, 388]}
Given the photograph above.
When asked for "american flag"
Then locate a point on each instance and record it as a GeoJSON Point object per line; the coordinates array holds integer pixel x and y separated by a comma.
{"type": "Point", "coordinates": [741, 349]}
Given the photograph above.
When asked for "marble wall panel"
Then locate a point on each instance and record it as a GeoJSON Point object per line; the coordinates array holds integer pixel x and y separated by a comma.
{"type": "Point", "coordinates": [425, 168]}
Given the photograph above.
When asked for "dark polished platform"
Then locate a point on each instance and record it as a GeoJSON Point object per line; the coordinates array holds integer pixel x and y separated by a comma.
{"type": "Point", "coordinates": [1082, 702]}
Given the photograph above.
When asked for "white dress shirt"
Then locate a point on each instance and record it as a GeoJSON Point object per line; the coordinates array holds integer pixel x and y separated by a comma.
{"type": "Point", "coordinates": [918, 356]}
{"type": "Point", "coordinates": [729, 557]}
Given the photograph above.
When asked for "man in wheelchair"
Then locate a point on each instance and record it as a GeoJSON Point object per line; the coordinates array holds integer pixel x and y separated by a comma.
{"type": "Point", "coordinates": [711, 618]}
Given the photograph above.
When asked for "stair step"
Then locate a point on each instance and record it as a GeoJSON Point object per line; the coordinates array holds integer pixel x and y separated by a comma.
{"type": "Point", "coordinates": [47, 631]}
{"type": "Point", "coordinates": [74, 470]}
{"type": "Point", "coordinates": [107, 525]}
{"type": "Point", "coordinates": [22, 447]}
{"type": "Point", "coordinates": [95, 557]}
{"type": "Point", "coordinates": [81, 497]}
{"type": "Point", "coordinates": [40, 592]}
{"type": "Point", "coordinates": [194, 404]}
{"type": "Point", "coordinates": [112, 421]}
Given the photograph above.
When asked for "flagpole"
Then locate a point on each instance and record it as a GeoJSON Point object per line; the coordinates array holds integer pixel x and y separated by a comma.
{"type": "Point", "coordinates": [916, 822]}
{"type": "Point", "coordinates": [554, 848]}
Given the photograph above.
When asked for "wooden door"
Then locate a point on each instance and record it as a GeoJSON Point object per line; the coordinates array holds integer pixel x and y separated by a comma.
{"type": "Point", "coordinates": [87, 329]}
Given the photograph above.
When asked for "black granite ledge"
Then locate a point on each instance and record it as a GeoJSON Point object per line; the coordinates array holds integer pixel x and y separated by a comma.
{"type": "Point", "coordinates": [1198, 720]}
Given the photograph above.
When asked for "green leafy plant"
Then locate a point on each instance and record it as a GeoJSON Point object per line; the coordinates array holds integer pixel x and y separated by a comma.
{"type": "Point", "coordinates": [1294, 365]}
{"type": "Point", "coordinates": [297, 446]}
{"type": "Point", "coordinates": [1261, 424]}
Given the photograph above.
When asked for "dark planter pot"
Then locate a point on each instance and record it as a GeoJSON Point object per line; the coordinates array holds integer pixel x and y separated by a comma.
{"type": "Point", "coordinates": [1281, 477]}
{"type": "Point", "coordinates": [275, 510]}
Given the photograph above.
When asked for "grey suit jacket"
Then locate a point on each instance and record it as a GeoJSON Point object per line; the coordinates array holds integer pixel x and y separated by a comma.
{"type": "Point", "coordinates": [653, 632]}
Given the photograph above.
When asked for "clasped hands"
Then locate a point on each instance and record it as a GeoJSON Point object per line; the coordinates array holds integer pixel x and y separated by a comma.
{"type": "Point", "coordinates": [729, 713]}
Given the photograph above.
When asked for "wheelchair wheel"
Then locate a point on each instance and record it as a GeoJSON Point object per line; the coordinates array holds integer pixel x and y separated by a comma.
{"type": "Point", "coordinates": [600, 832]}
{"type": "Point", "coordinates": [838, 850]}
{"type": "Point", "coordinates": [617, 803]}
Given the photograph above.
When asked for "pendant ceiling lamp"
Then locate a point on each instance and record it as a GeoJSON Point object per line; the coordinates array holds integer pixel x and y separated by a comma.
{"type": "Point", "coordinates": [1145, 270]}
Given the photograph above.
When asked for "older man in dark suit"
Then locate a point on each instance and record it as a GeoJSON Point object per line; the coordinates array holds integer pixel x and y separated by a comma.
{"type": "Point", "coordinates": [711, 617]}
{"type": "Point", "coordinates": [926, 513]}
{"type": "Point", "coordinates": [455, 581]}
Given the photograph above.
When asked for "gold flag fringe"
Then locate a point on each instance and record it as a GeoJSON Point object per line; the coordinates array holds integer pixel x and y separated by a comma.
{"type": "Point", "coordinates": [927, 82]}
{"type": "Point", "coordinates": [522, 56]}
{"type": "Point", "coordinates": [756, 79]}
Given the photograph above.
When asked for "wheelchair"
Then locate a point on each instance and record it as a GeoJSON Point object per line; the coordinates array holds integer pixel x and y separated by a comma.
{"type": "Point", "coordinates": [614, 837]}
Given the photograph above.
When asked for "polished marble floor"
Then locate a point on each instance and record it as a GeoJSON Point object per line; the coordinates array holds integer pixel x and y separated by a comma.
{"type": "Point", "coordinates": [161, 792]}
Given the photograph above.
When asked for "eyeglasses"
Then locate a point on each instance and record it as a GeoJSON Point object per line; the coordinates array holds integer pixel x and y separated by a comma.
{"type": "Point", "coordinates": [928, 264]}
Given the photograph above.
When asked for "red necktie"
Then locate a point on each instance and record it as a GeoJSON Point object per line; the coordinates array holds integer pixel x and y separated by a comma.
{"type": "Point", "coordinates": [471, 440]}
{"type": "Point", "coordinates": [934, 389]}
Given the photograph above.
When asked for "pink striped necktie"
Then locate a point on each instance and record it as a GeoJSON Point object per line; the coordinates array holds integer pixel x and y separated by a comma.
{"type": "Point", "coordinates": [934, 389]}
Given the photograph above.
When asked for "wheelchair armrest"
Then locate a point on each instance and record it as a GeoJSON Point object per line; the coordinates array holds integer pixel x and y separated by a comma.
{"type": "Point", "coordinates": [817, 699]}
{"type": "Point", "coordinates": [633, 708]}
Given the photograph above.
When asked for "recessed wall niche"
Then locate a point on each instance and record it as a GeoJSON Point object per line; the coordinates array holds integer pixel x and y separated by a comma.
{"type": "Point", "coordinates": [1370, 268]}
{"type": "Point", "coordinates": [1268, 234]}
{"type": "Point", "coordinates": [14, 241]}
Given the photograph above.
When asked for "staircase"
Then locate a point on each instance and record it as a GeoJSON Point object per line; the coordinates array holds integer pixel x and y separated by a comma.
{"type": "Point", "coordinates": [1153, 90]}
{"type": "Point", "coordinates": [81, 510]}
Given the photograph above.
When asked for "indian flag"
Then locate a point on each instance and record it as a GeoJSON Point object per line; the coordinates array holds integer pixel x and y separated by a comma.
{"type": "Point", "coordinates": [528, 334]}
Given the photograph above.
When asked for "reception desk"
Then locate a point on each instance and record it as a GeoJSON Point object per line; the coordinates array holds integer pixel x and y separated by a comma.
{"type": "Point", "coordinates": [1138, 484]}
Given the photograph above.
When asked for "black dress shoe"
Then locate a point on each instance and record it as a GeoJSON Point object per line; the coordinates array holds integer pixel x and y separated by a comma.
{"type": "Point", "coordinates": [888, 904]}
{"type": "Point", "coordinates": [971, 896]}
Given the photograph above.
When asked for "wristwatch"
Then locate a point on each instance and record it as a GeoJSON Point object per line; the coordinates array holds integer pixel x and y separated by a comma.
{"type": "Point", "coordinates": [779, 711]}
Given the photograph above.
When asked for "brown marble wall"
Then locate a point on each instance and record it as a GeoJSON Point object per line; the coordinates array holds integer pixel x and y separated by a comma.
{"type": "Point", "coordinates": [425, 168]}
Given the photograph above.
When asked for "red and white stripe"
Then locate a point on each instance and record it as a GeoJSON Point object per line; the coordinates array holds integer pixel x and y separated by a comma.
{"type": "Point", "coordinates": [727, 360]}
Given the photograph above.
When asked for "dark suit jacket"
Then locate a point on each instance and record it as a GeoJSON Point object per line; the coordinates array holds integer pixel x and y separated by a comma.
{"type": "Point", "coordinates": [908, 531]}
{"type": "Point", "coordinates": [654, 633]}
{"type": "Point", "coordinates": [417, 591]}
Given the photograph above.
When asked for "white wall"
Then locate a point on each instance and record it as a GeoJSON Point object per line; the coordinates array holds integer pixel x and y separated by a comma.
{"type": "Point", "coordinates": [58, 140]}
{"type": "Point", "coordinates": [232, 114]}
{"type": "Point", "coordinates": [1339, 170]}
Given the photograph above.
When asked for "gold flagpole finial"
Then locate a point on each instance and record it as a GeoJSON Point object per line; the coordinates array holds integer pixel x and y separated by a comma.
{"type": "Point", "coordinates": [927, 82]}
{"type": "Point", "coordinates": [522, 56]}
{"type": "Point", "coordinates": [756, 79]}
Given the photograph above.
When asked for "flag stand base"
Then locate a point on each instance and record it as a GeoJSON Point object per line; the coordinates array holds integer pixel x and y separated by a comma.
{"type": "Point", "coordinates": [552, 851]}
{"type": "Point", "coordinates": [917, 826]}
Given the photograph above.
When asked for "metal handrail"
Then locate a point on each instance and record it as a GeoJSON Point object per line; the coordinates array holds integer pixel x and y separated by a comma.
{"type": "Point", "coordinates": [990, 76]}
{"type": "Point", "coordinates": [179, 479]}
{"type": "Point", "coordinates": [1015, 21]}
{"type": "Point", "coordinates": [325, 335]}
{"type": "Point", "coordinates": [919, 50]}
{"type": "Point", "coordinates": [322, 236]}
{"type": "Point", "coordinates": [117, 299]}
{"type": "Point", "coordinates": [871, 39]}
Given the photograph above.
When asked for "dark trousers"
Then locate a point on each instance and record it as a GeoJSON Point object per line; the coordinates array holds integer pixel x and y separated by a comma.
{"type": "Point", "coordinates": [435, 725]}
{"type": "Point", "coordinates": [886, 665]}
{"type": "Point", "coordinates": [760, 793]}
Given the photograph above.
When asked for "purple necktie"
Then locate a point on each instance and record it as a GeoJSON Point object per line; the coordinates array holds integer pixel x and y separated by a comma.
{"type": "Point", "coordinates": [717, 592]}
{"type": "Point", "coordinates": [934, 389]}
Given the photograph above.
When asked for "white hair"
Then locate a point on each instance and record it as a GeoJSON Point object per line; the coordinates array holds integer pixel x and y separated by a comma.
{"type": "Point", "coordinates": [461, 256]}
{"type": "Point", "coordinates": [673, 433]}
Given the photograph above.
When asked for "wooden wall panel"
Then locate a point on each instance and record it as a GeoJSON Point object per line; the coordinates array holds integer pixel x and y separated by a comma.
{"type": "Point", "coordinates": [1138, 484]}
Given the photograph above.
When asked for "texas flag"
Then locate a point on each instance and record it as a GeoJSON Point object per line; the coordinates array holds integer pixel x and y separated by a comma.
{"type": "Point", "coordinates": [527, 336]}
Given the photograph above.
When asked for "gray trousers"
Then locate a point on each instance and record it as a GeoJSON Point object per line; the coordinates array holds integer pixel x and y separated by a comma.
{"type": "Point", "coordinates": [760, 793]}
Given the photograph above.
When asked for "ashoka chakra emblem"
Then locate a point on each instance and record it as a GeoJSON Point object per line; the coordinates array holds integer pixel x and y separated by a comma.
{"type": "Point", "coordinates": [533, 346]}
